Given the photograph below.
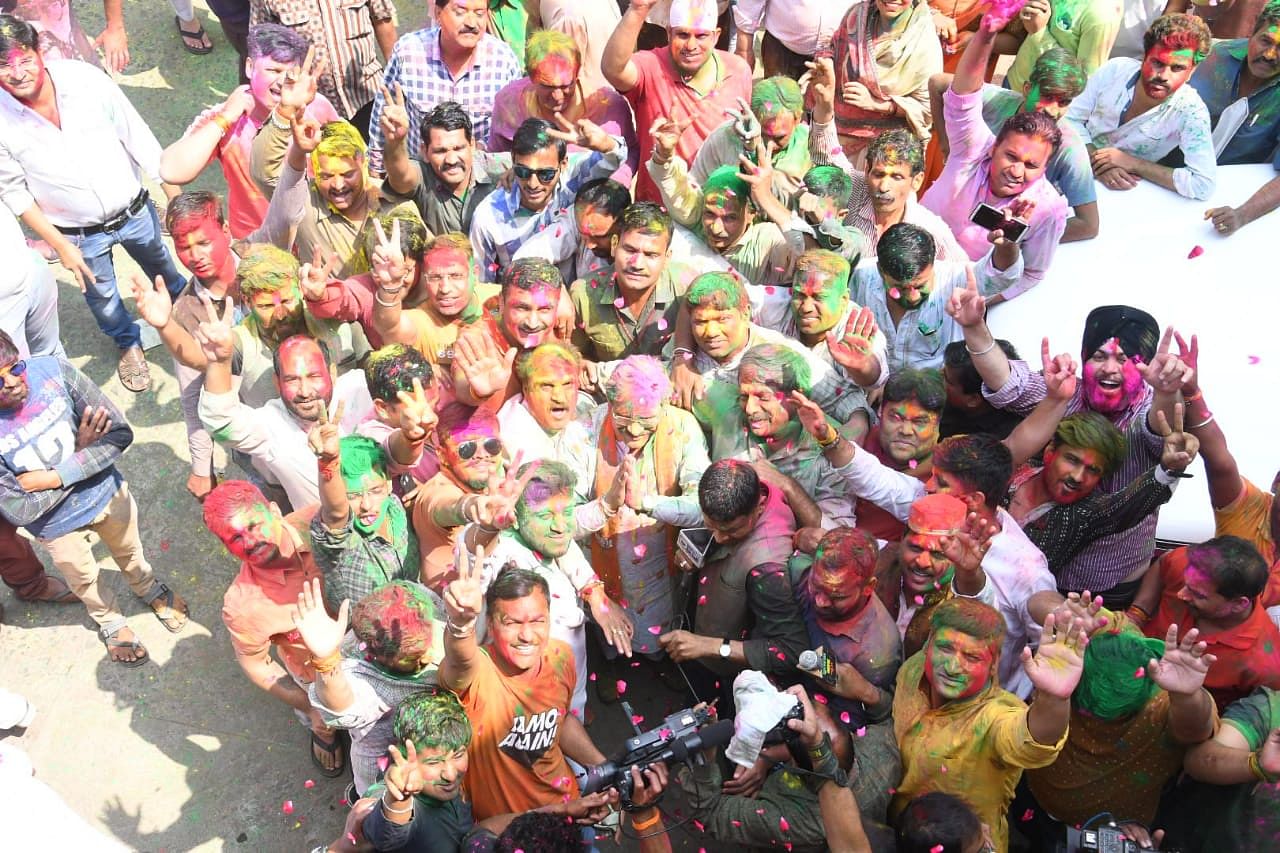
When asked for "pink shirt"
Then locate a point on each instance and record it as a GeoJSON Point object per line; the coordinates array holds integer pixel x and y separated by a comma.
{"type": "Point", "coordinates": [605, 107]}
{"type": "Point", "coordinates": [965, 183]}
{"type": "Point", "coordinates": [660, 92]}
{"type": "Point", "coordinates": [246, 204]}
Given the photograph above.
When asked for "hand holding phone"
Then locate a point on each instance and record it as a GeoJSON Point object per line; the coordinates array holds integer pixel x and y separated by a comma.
{"type": "Point", "coordinates": [993, 218]}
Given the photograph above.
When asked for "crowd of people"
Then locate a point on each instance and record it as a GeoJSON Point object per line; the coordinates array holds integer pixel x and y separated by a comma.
{"type": "Point", "coordinates": [557, 339]}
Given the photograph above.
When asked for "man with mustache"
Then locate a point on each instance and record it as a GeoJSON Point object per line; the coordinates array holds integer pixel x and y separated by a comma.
{"type": "Point", "coordinates": [1129, 375]}
{"type": "Point", "coordinates": [275, 566]}
{"type": "Point", "coordinates": [688, 81]}
{"type": "Point", "coordinates": [1236, 71]}
{"type": "Point", "coordinates": [1132, 114]}
{"type": "Point", "coordinates": [226, 132]}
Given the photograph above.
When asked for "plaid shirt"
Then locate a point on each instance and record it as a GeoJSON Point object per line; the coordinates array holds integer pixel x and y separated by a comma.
{"type": "Point", "coordinates": [355, 565]}
{"type": "Point", "coordinates": [418, 66]}
{"type": "Point", "coordinates": [342, 33]}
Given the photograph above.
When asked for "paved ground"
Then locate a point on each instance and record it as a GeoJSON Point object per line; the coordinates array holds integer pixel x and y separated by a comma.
{"type": "Point", "coordinates": [183, 753]}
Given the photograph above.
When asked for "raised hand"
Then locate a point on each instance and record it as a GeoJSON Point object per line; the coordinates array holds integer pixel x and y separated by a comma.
{"type": "Point", "coordinates": [806, 727]}
{"type": "Point", "coordinates": [214, 335]}
{"type": "Point", "coordinates": [1059, 373]}
{"type": "Point", "coordinates": [811, 416]}
{"type": "Point", "coordinates": [1085, 607]}
{"type": "Point", "coordinates": [967, 306]}
{"type": "Point", "coordinates": [487, 370]}
{"type": "Point", "coordinates": [745, 123]}
{"type": "Point", "coordinates": [315, 276]}
{"type": "Point", "coordinates": [1180, 447]}
{"type": "Point", "coordinates": [820, 82]}
{"type": "Point", "coordinates": [155, 306]}
{"type": "Point", "coordinates": [1184, 665]}
{"type": "Point", "coordinates": [464, 597]}
{"type": "Point", "coordinates": [403, 777]}
{"type": "Point", "coordinates": [966, 548]}
{"type": "Point", "coordinates": [306, 133]}
{"type": "Point", "coordinates": [1056, 667]}
{"type": "Point", "coordinates": [583, 133]}
{"type": "Point", "coordinates": [666, 133]}
{"type": "Point", "coordinates": [298, 89]}
{"type": "Point", "coordinates": [1189, 355]}
{"type": "Point", "coordinates": [1166, 373]}
{"type": "Point", "coordinates": [617, 493]}
{"type": "Point", "coordinates": [854, 349]}
{"type": "Point", "coordinates": [1035, 15]}
{"type": "Point", "coordinates": [759, 176]}
{"type": "Point", "coordinates": [389, 268]}
{"type": "Point", "coordinates": [394, 120]}
{"type": "Point", "coordinates": [1000, 14]}
{"type": "Point", "coordinates": [325, 434]}
{"type": "Point", "coordinates": [321, 634]}
{"type": "Point", "coordinates": [417, 414]}
{"type": "Point", "coordinates": [94, 424]}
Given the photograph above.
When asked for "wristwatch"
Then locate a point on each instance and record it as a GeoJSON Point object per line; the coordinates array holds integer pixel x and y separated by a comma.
{"type": "Point", "coordinates": [725, 648]}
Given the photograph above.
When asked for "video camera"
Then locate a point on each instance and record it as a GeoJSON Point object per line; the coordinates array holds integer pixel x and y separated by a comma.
{"type": "Point", "coordinates": [1104, 839]}
{"type": "Point", "coordinates": [679, 739]}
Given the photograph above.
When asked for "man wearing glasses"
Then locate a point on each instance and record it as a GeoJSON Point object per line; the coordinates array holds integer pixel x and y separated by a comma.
{"type": "Point", "coordinates": [545, 183]}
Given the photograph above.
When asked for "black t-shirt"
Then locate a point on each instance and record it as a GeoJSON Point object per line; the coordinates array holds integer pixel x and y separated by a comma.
{"type": "Point", "coordinates": [436, 826]}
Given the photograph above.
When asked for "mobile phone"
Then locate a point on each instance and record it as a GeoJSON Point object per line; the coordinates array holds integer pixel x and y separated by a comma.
{"type": "Point", "coordinates": [992, 218]}
{"type": "Point", "coordinates": [694, 542]}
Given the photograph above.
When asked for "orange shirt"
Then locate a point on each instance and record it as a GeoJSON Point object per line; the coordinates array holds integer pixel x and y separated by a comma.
{"type": "Point", "coordinates": [516, 763]}
{"type": "Point", "coordinates": [436, 503]}
{"type": "Point", "coordinates": [1249, 517]}
{"type": "Point", "coordinates": [258, 606]}
{"type": "Point", "coordinates": [1248, 654]}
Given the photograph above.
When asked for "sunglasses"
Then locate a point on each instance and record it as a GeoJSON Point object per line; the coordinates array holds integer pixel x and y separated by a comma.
{"type": "Point", "coordinates": [16, 369]}
{"type": "Point", "coordinates": [492, 447]}
{"type": "Point", "coordinates": [545, 176]}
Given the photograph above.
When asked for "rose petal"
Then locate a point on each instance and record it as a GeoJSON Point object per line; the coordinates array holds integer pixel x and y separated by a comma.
{"type": "Point", "coordinates": [1028, 815]}
{"type": "Point", "coordinates": [844, 717]}
{"type": "Point", "coordinates": [382, 763]}
{"type": "Point", "coordinates": [861, 732]}
{"type": "Point", "coordinates": [310, 783]}
{"type": "Point", "coordinates": [1196, 251]}
{"type": "Point", "coordinates": [622, 686]}
{"type": "Point", "coordinates": [287, 807]}
{"type": "Point", "coordinates": [1141, 672]}
{"type": "Point", "coordinates": [783, 825]}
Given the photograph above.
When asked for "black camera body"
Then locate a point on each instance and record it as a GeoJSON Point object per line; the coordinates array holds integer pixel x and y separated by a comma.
{"type": "Point", "coordinates": [782, 733]}
{"type": "Point", "coordinates": [1104, 839]}
{"type": "Point", "coordinates": [679, 739]}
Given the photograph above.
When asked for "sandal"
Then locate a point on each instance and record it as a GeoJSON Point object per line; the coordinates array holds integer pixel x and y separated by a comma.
{"type": "Point", "coordinates": [333, 749]}
{"type": "Point", "coordinates": [171, 617]}
{"type": "Point", "coordinates": [54, 591]}
{"type": "Point", "coordinates": [133, 370]}
{"type": "Point", "coordinates": [135, 646]}
{"type": "Point", "coordinates": [205, 43]}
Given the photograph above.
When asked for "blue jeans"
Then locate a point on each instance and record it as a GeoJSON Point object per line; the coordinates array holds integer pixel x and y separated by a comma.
{"type": "Point", "coordinates": [140, 236]}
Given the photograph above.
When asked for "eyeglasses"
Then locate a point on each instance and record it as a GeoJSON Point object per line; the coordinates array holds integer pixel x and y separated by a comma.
{"type": "Point", "coordinates": [647, 424]}
{"type": "Point", "coordinates": [545, 176]}
{"type": "Point", "coordinates": [492, 447]}
{"type": "Point", "coordinates": [29, 65]}
{"type": "Point", "coordinates": [16, 369]}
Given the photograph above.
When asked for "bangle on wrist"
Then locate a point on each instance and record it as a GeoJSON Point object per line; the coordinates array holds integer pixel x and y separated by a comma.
{"type": "Point", "coordinates": [1255, 767]}
{"type": "Point", "coordinates": [387, 806]}
{"type": "Point", "coordinates": [1204, 423]}
{"type": "Point", "coordinates": [460, 632]}
{"type": "Point", "coordinates": [642, 825]}
{"type": "Point", "coordinates": [1138, 614]}
{"type": "Point", "coordinates": [328, 663]}
{"type": "Point", "coordinates": [989, 348]}
{"type": "Point", "coordinates": [831, 436]}
{"type": "Point", "coordinates": [223, 123]}
{"type": "Point", "coordinates": [377, 297]}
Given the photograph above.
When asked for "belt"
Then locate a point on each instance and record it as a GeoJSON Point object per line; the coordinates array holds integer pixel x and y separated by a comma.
{"type": "Point", "coordinates": [116, 222]}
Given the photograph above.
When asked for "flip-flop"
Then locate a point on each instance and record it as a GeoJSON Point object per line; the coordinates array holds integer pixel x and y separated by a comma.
{"type": "Point", "coordinates": [199, 34]}
{"type": "Point", "coordinates": [140, 652]}
{"type": "Point", "coordinates": [173, 619]}
{"type": "Point", "coordinates": [332, 748]}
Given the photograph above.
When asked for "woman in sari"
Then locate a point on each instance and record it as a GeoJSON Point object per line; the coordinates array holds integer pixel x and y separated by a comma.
{"type": "Point", "coordinates": [884, 52]}
{"type": "Point", "coordinates": [553, 86]}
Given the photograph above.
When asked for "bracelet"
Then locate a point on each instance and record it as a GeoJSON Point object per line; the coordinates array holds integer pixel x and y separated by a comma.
{"type": "Point", "coordinates": [1203, 423]}
{"type": "Point", "coordinates": [378, 299]}
{"type": "Point", "coordinates": [387, 806]}
{"type": "Point", "coordinates": [983, 352]}
{"type": "Point", "coordinates": [642, 825]}
{"type": "Point", "coordinates": [682, 352]}
{"type": "Point", "coordinates": [1199, 395]}
{"type": "Point", "coordinates": [608, 512]}
{"type": "Point", "coordinates": [833, 437]}
{"type": "Point", "coordinates": [223, 123]}
{"type": "Point", "coordinates": [1141, 617]}
{"type": "Point", "coordinates": [328, 663]}
{"type": "Point", "coordinates": [459, 632]}
{"type": "Point", "coordinates": [1255, 767]}
{"type": "Point", "coordinates": [823, 749]}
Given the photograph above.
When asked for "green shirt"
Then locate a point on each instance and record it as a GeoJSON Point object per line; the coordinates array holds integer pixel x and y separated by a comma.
{"type": "Point", "coordinates": [606, 332]}
{"type": "Point", "coordinates": [509, 21]}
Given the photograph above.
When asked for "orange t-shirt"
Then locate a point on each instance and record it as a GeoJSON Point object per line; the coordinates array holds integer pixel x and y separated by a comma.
{"type": "Point", "coordinates": [516, 763]}
{"type": "Point", "coordinates": [1249, 517]}
{"type": "Point", "coordinates": [438, 496]}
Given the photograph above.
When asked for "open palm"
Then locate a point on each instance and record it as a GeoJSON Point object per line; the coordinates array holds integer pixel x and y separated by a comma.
{"type": "Point", "coordinates": [1056, 667]}
{"type": "Point", "coordinates": [1184, 665]}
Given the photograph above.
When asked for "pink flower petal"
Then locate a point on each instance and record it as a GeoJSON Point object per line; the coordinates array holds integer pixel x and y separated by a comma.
{"type": "Point", "coordinates": [844, 717]}
{"type": "Point", "coordinates": [1253, 359]}
{"type": "Point", "coordinates": [640, 550]}
{"type": "Point", "coordinates": [1028, 815]}
{"type": "Point", "coordinates": [622, 686]}
{"type": "Point", "coordinates": [702, 599]}
{"type": "Point", "coordinates": [310, 783]}
{"type": "Point", "coordinates": [919, 600]}
{"type": "Point", "coordinates": [1141, 672]}
{"type": "Point", "coordinates": [861, 732]}
{"type": "Point", "coordinates": [1196, 251]}
{"type": "Point", "coordinates": [287, 807]}
{"type": "Point", "coordinates": [820, 698]}
{"type": "Point", "coordinates": [382, 763]}
{"type": "Point", "coordinates": [783, 825]}
{"type": "Point", "coordinates": [637, 719]}
{"type": "Point", "coordinates": [662, 324]}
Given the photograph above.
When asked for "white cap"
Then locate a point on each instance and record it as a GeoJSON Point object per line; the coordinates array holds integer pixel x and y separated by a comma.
{"type": "Point", "coordinates": [698, 15]}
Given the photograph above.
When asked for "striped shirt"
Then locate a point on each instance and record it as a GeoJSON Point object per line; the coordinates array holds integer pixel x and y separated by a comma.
{"type": "Point", "coordinates": [418, 65]}
{"type": "Point", "coordinates": [342, 34]}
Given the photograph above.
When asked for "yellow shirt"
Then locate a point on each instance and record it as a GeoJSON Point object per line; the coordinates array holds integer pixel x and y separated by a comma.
{"type": "Point", "coordinates": [435, 339]}
{"type": "Point", "coordinates": [1249, 517]}
{"type": "Point", "coordinates": [974, 749]}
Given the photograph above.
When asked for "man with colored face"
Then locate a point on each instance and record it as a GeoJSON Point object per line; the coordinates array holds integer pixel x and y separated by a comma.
{"type": "Point", "coordinates": [966, 410]}
{"type": "Point", "coordinates": [275, 566]}
{"type": "Point", "coordinates": [760, 427]}
{"type": "Point", "coordinates": [517, 689]}
{"type": "Point", "coordinates": [1004, 169]}
{"type": "Point", "coordinates": [907, 292]}
{"type": "Point", "coordinates": [580, 239]}
{"type": "Point", "coordinates": [845, 617]}
{"type": "Point", "coordinates": [273, 435]}
{"type": "Point", "coordinates": [746, 615]}
{"type": "Point", "coordinates": [1056, 78]}
{"type": "Point", "coordinates": [74, 150]}
{"type": "Point", "coordinates": [721, 331]}
{"type": "Point", "coordinates": [226, 132]}
{"type": "Point", "coordinates": [948, 691]}
{"type": "Point", "coordinates": [58, 480]}
{"type": "Point", "coordinates": [1131, 114]}
{"type": "Point", "coordinates": [545, 183]}
{"type": "Point", "coordinates": [688, 78]}
{"type": "Point", "coordinates": [405, 398]}
{"type": "Point", "coordinates": [535, 531]}
{"type": "Point", "coordinates": [1129, 376]}
{"type": "Point", "coordinates": [525, 316]}
{"type": "Point", "coordinates": [774, 117]}
{"type": "Point", "coordinates": [1238, 83]}
{"type": "Point", "coordinates": [456, 60]}
{"type": "Point", "coordinates": [903, 439]}
{"type": "Point", "coordinates": [1215, 586]}
{"type": "Point", "coordinates": [631, 307]}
